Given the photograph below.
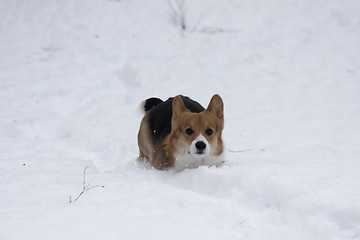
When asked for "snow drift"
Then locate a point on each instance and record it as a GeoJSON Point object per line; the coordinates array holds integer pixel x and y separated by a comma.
{"type": "Point", "coordinates": [73, 73]}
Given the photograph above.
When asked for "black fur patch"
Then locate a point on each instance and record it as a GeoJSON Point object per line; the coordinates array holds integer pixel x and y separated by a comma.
{"type": "Point", "coordinates": [161, 114]}
{"type": "Point", "coordinates": [151, 102]}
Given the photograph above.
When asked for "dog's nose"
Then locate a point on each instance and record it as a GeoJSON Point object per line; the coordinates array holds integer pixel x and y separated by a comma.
{"type": "Point", "coordinates": [200, 145]}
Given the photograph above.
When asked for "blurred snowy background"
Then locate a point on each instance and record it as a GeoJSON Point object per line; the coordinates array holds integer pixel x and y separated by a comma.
{"type": "Point", "coordinates": [72, 76]}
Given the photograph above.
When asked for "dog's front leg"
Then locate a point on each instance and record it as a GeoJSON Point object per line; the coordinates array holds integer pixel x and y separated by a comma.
{"type": "Point", "coordinates": [161, 159]}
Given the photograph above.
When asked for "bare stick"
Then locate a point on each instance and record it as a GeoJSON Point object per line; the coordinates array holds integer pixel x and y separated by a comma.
{"type": "Point", "coordinates": [215, 30]}
{"type": "Point", "coordinates": [86, 187]}
{"type": "Point", "coordinates": [245, 150]}
{"type": "Point", "coordinates": [197, 23]}
{"type": "Point", "coordinates": [178, 13]}
{"type": "Point", "coordinates": [239, 151]}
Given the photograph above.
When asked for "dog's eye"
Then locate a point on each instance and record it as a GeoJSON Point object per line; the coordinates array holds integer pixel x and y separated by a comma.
{"type": "Point", "coordinates": [189, 131]}
{"type": "Point", "coordinates": [209, 132]}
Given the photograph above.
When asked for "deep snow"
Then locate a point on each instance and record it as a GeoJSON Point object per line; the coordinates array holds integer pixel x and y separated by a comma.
{"type": "Point", "coordinates": [72, 76]}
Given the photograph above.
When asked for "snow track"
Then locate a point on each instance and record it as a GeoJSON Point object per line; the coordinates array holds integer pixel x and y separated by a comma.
{"type": "Point", "coordinates": [73, 73]}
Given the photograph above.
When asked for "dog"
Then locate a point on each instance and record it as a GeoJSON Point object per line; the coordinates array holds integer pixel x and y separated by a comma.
{"type": "Point", "coordinates": [180, 133]}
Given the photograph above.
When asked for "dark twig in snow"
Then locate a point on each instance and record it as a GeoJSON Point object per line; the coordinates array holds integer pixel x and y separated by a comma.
{"type": "Point", "coordinates": [86, 187]}
{"type": "Point", "coordinates": [245, 150]}
{"type": "Point", "coordinates": [239, 151]}
{"type": "Point", "coordinates": [179, 17]}
{"type": "Point", "coordinates": [178, 13]}
{"type": "Point", "coordinates": [215, 30]}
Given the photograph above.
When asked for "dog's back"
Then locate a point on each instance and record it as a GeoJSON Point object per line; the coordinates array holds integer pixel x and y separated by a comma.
{"type": "Point", "coordinates": [160, 115]}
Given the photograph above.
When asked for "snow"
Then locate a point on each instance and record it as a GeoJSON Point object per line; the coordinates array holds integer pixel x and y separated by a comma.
{"type": "Point", "coordinates": [72, 76]}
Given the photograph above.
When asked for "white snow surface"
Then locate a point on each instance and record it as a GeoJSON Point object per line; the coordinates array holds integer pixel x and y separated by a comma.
{"type": "Point", "coordinates": [72, 76]}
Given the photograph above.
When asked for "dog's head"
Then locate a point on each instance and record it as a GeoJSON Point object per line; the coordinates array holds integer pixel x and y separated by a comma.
{"type": "Point", "coordinates": [197, 134]}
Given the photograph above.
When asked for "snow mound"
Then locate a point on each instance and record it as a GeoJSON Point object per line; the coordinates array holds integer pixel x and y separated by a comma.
{"type": "Point", "coordinates": [73, 73]}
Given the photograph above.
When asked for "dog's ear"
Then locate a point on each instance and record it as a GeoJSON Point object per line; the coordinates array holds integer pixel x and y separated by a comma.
{"type": "Point", "coordinates": [216, 106]}
{"type": "Point", "coordinates": [178, 107]}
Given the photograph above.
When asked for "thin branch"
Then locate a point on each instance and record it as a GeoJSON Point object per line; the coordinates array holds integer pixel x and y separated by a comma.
{"type": "Point", "coordinates": [86, 187]}
{"type": "Point", "coordinates": [215, 30]}
{"type": "Point", "coordinates": [239, 151]}
{"type": "Point", "coordinates": [245, 150]}
{"type": "Point", "coordinates": [84, 177]}
{"type": "Point", "coordinates": [197, 23]}
{"type": "Point", "coordinates": [178, 13]}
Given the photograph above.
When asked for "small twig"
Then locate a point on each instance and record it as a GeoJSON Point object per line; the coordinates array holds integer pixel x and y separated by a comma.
{"type": "Point", "coordinates": [215, 30]}
{"type": "Point", "coordinates": [245, 150]}
{"type": "Point", "coordinates": [178, 13]}
{"type": "Point", "coordinates": [239, 151]}
{"type": "Point", "coordinates": [197, 23]}
{"type": "Point", "coordinates": [86, 187]}
{"type": "Point", "coordinates": [179, 17]}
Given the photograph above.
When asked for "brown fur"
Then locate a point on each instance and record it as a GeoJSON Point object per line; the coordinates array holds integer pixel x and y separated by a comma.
{"type": "Point", "coordinates": [164, 153]}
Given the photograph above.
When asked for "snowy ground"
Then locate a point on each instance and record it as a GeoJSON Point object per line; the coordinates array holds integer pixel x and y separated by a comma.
{"type": "Point", "coordinates": [73, 73]}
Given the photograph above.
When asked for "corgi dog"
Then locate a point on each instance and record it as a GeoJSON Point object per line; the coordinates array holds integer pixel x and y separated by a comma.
{"type": "Point", "coordinates": [180, 133]}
